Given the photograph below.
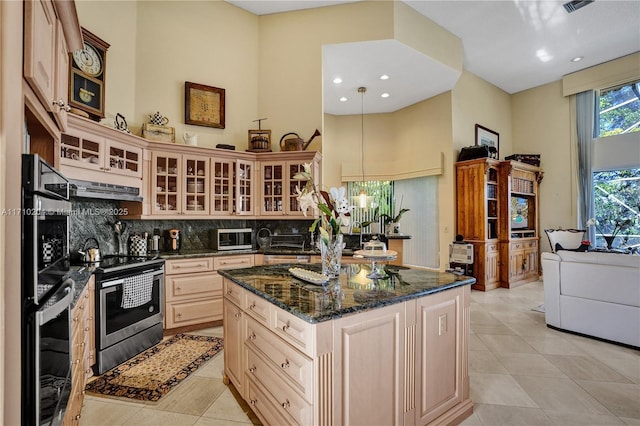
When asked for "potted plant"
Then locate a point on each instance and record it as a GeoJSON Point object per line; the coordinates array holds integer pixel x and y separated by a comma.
{"type": "Point", "coordinates": [392, 223]}
{"type": "Point", "coordinates": [374, 223]}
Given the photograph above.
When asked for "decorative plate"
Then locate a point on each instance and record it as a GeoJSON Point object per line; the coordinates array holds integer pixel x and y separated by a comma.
{"type": "Point", "coordinates": [379, 254]}
{"type": "Point", "coordinates": [309, 276]}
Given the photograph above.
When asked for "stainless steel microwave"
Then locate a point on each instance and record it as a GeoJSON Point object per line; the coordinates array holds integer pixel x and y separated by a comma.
{"type": "Point", "coordinates": [230, 239]}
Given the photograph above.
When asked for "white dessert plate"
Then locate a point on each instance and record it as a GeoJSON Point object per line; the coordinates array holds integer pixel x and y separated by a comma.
{"type": "Point", "coordinates": [309, 276]}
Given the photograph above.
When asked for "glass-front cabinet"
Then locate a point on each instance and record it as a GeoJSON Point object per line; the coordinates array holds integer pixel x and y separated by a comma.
{"type": "Point", "coordinates": [166, 169]}
{"type": "Point", "coordinates": [195, 180]}
{"type": "Point", "coordinates": [93, 152]}
{"type": "Point", "coordinates": [222, 176]}
{"type": "Point", "coordinates": [272, 193]}
{"type": "Point", "coordinates": [278, 185]}
{"type": "Point", "coordinates": [245, 198]}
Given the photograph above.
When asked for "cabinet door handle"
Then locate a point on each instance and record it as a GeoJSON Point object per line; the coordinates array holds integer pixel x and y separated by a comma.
{"type": "Point", "coordinates": [252, 337]}
{"type": "Point", "coordinates": [253, 369]}
{"type": "Point", "coordinates": [252, 306]}
{"type": "Point", "coordinates": [286, 404]}
{"type": "Point", "coordinates": [253, 402]}
{"type": "Point", "coordinates": [285, 364]}
{"type": "Point", "coordinates": [285, 327]}
{"type": "Point", "coordinates": [237, 314]}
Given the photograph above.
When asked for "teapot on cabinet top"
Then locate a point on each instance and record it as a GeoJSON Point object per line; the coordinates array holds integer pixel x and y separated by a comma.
{"type": "Point", "coordinates": [158, 119]}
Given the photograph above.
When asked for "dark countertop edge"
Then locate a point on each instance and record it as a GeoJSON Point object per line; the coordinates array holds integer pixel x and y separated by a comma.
{"type": "Point", "coordinates": [397, 237]}
{"type": "Point", "coordinates": [80, 276]}
{"type": "Point", "coordinates": [351, 310]}
{"type": "Point", "coordinates": [204, 253]}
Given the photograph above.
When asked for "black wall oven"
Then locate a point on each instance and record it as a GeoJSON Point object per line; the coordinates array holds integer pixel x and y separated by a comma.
{"type": "Point", "coordinates": [47, 293]}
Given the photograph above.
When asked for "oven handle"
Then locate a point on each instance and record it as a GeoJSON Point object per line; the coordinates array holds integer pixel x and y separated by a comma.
{"type": "Point", "coordinates": [47, 314]}
{"type": "Point", "coordinates": [121, 280]}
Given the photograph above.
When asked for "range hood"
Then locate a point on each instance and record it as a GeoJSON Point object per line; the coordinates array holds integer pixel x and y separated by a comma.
{"type": "Point", "coordinates": [103, 191]}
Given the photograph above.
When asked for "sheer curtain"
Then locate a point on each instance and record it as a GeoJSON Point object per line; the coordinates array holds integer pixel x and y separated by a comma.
{"type": "Point", "coordinates": [585, 118]}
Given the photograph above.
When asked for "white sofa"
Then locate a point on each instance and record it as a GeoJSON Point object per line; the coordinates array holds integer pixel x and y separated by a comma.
{"type": "Point", "coordinates": [593, 293]}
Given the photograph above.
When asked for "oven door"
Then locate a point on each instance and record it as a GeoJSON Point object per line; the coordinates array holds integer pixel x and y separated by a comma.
{"type": "Point", "coordinates": [117, 322]}
{"type": "Point", "coordinates": [53, 356]}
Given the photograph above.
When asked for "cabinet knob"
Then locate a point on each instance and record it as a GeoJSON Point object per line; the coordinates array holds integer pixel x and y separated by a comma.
{"type": "Point", "coordinates": [237, 314]}
{"type": "Point", "coordinates": [252, 337]}
{"type": "Point", "coordinates": [252, 369]}
{"type": "Point", "coordinates": [178, 314]}
{"type": "Point", "coordinates": [253, 402]}
{"type": "Point", "coordinates": [285, 364]}
{"type": "Point", "coordinates": [285, 327]}
{"type": "Point", "coordinates": [252, 306]}
{"type": "Point", "coordinates": [286, 404]}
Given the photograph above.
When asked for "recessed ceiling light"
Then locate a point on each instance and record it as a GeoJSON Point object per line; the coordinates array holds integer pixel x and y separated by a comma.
{"type": "Point", "coordinates": [384, 77]}
{"type": "Point", "coordinates": [577, 59]}
{"type": "Point", "coordinates": [384, 95]}
{"type": "Point", "coordinates": [343, 99]}
{"type": "Point", "coordinates": [543, 55]}
{"type": "Point", "coordinates": [337, 80]}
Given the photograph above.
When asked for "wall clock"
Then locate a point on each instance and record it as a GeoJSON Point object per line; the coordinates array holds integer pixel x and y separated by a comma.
{"type": "Point", "coordinates": [87, 76]}
{"type": "Point", "coordinates": [203, 105]}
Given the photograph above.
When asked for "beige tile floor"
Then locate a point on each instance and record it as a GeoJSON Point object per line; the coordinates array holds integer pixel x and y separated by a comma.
{"type": "Point", "coordinates": [521, 372]}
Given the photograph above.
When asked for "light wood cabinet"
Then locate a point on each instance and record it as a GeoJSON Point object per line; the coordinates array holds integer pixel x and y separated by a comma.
{"type": "Point", "coordinates": [477, 217]}
{"type": "Point", "coordinates": [497, 205]}
{"type": "Point", "coordinates": [82, 350]}
{"type": "Point", "coordinates": [179, 184]}
{"type": "Point", "coordinates": [193, 289]}
{"type": "Point", "coordinates": [232, 187]}
{"type": "Point", "coordinates": [519, 221]}
{"type": "Point", "coordinates": [294, 372]}
{"type": "Point", "coordinates": [99, 154]}
{"type": "Point", "coordinates": [278, 195]}
{"type": "Point", "coordinates": [51, 31]}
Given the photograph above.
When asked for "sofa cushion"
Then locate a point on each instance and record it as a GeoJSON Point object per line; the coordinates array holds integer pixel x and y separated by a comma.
{"type": "Point", "coordinates": [569, 239]}
{"type": "Point", "coordinates": [602, 258]}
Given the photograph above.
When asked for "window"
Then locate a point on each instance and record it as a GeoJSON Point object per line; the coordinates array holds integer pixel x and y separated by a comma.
{"type": "Point", "coordinates": [379, 200]}
{"type": "Point", "coordinates": [617, 206]}
{"type": "Point", "coordinates": [619, 110]}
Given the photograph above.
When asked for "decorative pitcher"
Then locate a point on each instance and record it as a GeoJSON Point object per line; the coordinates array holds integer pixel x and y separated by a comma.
{"type": "Point", "coordinates": [190, 138]}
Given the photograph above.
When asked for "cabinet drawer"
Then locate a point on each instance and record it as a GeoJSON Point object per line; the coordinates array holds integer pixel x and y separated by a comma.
{"type": "Point", "coordinates": [188, 313]}
{"type": "Point", "coordinates": [257, 307]}
{"type": "Point", "coordinates": [182, 287]}
{"type": "Point", "coordinates": [227, 262]}
{"type": "Point", "coordinates": [531, 244]}
{"type": "Point", "coordinates": [292, 329]}
{"type": "Point", "coordinates": [233, 292]}
{"type": "Point", "coordinates": [493, 247]}
{"type": "Point", "coordinates": [517, 246]}
{"type": "Point", "coordinates": [187, 266]}
{"type": "Point", "coordinates": [265, 410]}
{"type": "Point", "coordinates": [282, 357]}
{"type": "Point", "coordinates": [288, 401]}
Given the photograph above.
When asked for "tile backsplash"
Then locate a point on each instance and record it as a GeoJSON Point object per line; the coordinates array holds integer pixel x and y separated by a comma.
{"type": "Point", "coordinates": [96, 218]}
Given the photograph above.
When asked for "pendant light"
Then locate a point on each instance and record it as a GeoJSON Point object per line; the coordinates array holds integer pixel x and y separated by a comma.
{"type": "Point", "coordinates": [363, 194]}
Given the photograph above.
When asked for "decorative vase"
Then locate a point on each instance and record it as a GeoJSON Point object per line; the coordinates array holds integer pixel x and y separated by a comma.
{"type": "Point", "coordinates": [374, 228]}
{"type": "Point", "coordinates": [609, 239]}
{"type": "Point", "coordinates": [392, 228]}
{"type": "Point", "coordinates": [331, 253]}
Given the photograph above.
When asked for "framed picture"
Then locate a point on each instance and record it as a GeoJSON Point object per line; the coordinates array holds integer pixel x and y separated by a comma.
{"type": "Point", "coordinates": [488, 138]}
{"type": "Point", "coordinates": [203, 105]}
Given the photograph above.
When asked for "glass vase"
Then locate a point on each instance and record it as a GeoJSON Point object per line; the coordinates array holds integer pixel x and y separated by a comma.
{"type": "Point", "coordinates": [331, 253]}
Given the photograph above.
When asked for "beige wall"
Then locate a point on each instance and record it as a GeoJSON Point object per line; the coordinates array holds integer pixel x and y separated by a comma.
{"type": "Point", "coordinates": [157, 46]}
{"type": "Point", "coordinates": [541, 125]}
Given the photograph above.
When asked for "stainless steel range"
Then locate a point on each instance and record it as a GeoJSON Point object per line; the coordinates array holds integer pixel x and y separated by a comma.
{"type": "Point", "coordinates": [129, 308]}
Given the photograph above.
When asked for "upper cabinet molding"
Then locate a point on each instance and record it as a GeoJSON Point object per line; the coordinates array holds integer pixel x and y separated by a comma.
{"type": "Point", "coordinates": [68, 16]}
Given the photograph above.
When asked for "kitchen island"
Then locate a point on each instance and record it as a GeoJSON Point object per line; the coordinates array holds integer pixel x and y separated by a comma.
{"type": "Point", "coordinates": [390, 351]}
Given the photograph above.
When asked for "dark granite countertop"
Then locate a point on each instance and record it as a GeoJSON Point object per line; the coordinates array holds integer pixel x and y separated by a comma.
{"type": "Point", "coordinates": [80, 276]}
{"type": "Point", "coordinates": [351, 293]}
{"type": "Point", "coordinates": [203, 253]}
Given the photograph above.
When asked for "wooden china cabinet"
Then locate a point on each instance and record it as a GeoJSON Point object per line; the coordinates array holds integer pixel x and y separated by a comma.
{"type": "Point", "coordinates": [497, 212]}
